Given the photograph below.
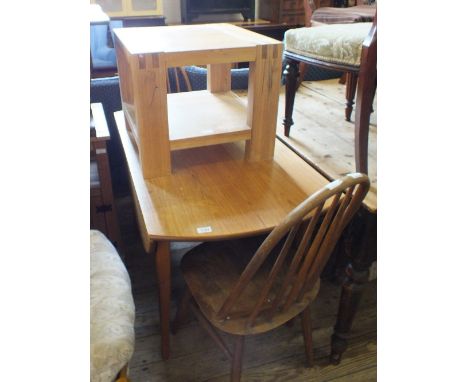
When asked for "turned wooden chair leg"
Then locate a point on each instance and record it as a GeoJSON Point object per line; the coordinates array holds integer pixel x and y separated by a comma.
{"type": "Point", "coordinates": [365, 95]}
{"type": "Point", "coordinates": [342, 79]}
{"type": "Point", "coordinates": [210, 330]}
{"type": "Point", "coordinates": [307, 334]}
{"type": "Point", "coordinates": [351, 83]}
{"type": "Point", "coordinates": [291, 72]}
{"type": "Point", "coordinates": [236, 368]}
{"type": "Point", "coordinates": [302, 71]}
{"type": "Point", "coordinates": [182, 311]}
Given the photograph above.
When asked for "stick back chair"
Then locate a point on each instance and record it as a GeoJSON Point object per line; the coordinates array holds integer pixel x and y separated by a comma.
{"type": "Point", "coordinates": [350, 48]}
{"type": "Point", "coordinates": [246, 286]}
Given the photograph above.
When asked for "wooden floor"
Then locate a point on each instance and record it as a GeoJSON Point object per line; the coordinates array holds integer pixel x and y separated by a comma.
{"type": "Point", "coordinates": [276, 356]}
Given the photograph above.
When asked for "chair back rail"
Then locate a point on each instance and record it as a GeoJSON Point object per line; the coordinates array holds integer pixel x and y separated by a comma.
{"type": "Point", "coordinates": [309, 8]}
{"type": "Point", "coordinates": [366, 86]}
{"type": "Point", "coordinates": [307, 236]}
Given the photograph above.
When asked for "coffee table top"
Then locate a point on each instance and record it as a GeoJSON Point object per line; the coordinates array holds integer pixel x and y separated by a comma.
{"type": "Point", "coordinates": [189, 38]}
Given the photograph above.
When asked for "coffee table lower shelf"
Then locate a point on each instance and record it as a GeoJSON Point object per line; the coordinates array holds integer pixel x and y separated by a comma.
{"type": "Point", "coordinates": [200, 118]}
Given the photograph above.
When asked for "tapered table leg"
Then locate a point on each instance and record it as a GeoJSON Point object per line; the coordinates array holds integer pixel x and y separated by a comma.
{"type": "Point", "coordinates": [163, 271]}
{"type": "Point", "coordinates": [357, 275]}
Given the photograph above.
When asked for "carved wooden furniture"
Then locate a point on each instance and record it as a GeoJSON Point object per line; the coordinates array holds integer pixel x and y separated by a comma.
{"type": "Point", "coordinates": [112, 312]}
{"type": "Point", "coordinates": [282, 11]}
{"type": "Point", "coordinates": [248, 287]}
{"type": "Point", "coordinates": [160, 123]}
{"type": "Point", "coordinates": [290, 12]}
{"type": "Point", "coordinates": [360, 13]}
{"type": "Point", "coordinates": [190, 9]}
{"type": "Point", "coordinates": [197, 201]}
{"type": "Point", "coordinates": [103, 212]}
{"type": "Point", "coordinates": [351, 48]}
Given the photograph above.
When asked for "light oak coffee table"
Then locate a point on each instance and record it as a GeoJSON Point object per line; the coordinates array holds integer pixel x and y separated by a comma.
{"type": "Point", "coordinates": [161, 123]}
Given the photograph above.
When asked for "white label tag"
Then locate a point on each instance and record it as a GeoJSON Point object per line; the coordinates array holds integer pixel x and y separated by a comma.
{"type": "Point", "coordinates": [204, 229]}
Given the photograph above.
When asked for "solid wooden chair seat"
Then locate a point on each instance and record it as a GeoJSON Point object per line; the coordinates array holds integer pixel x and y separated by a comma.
{"type": "Point", "coordinates": [211, 271]}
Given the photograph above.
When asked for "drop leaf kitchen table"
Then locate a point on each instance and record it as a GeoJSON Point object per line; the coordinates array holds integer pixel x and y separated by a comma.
{"type": "Point", "coordinates": [212, 193]}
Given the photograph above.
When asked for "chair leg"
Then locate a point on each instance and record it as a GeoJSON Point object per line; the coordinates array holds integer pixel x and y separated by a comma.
{"type": "Point", "coordinates": [291, 72]}
{"type": "Point", "coordinates": [307, 334]}
{"type": "Point", "coordinates": [342, 79]}
{"type": "Point", "coordinates": [302, 71]}
{"type": "Point", "coordinates": [182, 311]}
{"type": "Point", "coordinates": [365, 96]}
{"type": "Point", "coordinates": [351, 83]}
{"type": "Point", "coordinates": [210, 329]}
{"type": "Point", "coordinates": [236, 368]}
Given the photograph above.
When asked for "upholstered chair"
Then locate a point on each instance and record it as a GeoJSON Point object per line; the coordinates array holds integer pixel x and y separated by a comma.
{"type": "Point", "coordinates": [112, 312]}
{"type": "Point", "coordinates": [350, 48]}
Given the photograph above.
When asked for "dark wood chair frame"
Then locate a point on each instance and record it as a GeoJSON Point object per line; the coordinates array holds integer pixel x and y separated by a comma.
{"type": "Point", "coordinates": [103, 214]}
{"type": "Point", "coordinates": [363, 77]}
{"type": "Point", "coordinates": [302, 244]}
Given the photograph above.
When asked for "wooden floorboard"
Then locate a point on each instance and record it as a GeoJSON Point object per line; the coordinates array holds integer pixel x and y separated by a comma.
{"type": "Point", "coordinates": [323, 135]}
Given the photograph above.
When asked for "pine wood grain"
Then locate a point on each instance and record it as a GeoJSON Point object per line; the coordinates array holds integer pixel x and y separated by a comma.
{"type": "Point", "coordinates": [219, 77]}
{"type": "Point", "coordinates": [322, 136]}
{"type": "Point", "coordinates": [192, 123]}
{"type": "Point", "coordinates": [199, 192]}
{"type": "Point", "coordinates": [203, 42]}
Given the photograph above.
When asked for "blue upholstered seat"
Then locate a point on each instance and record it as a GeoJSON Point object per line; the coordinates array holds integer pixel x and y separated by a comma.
{"type": "Point", "coordinates": [102, 51]}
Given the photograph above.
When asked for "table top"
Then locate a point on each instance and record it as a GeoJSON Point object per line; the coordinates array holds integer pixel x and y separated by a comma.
{"type": "Point", "coordinates": [214, 193]}
{"type": "Point", "coordinates": [189, 38]}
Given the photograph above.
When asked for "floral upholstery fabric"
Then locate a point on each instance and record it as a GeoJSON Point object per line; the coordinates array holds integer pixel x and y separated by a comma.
{"type": "Point", "coordinates": [112, 311]}
{"type": "Point", "coordinates": [337, 43]}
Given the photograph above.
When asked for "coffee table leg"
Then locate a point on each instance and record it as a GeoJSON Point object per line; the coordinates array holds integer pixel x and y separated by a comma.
{"type": "Point", "coordinates": [163, 271]}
